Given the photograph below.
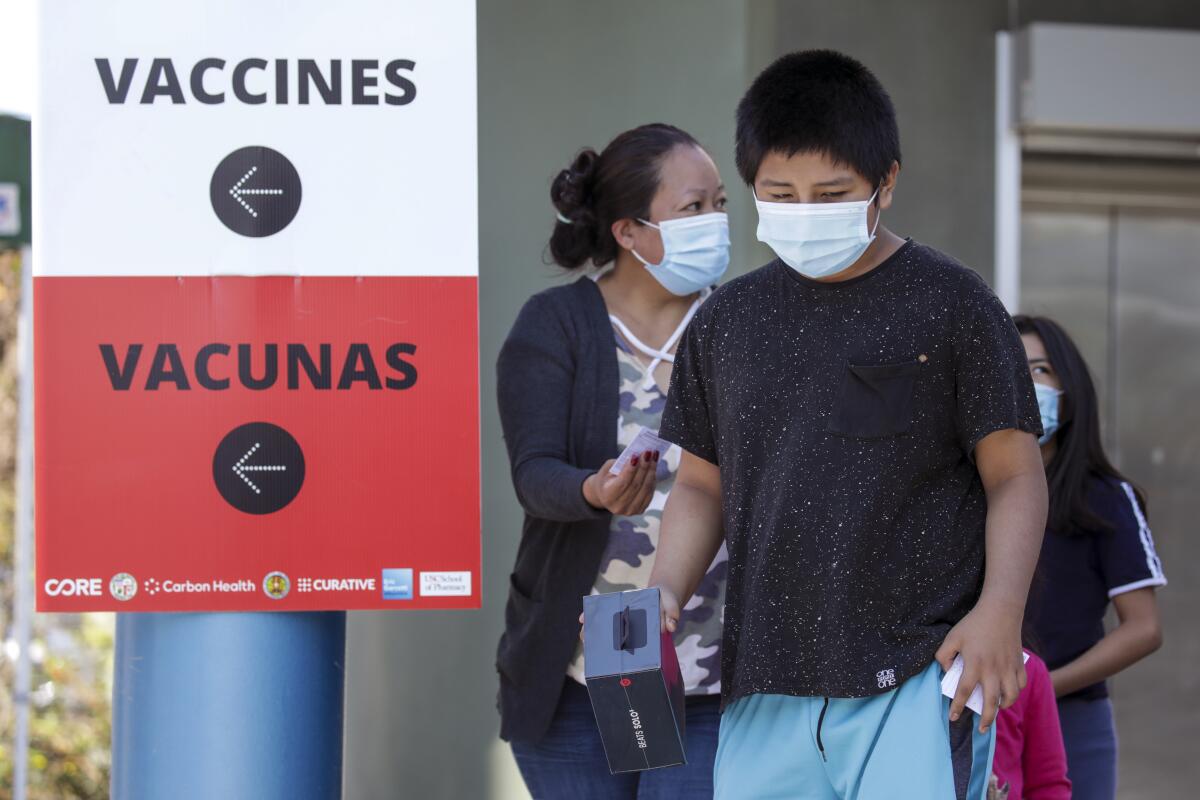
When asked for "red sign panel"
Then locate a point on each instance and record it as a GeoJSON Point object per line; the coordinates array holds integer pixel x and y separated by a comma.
{"type": "Point", "coordinates": [257, 443]}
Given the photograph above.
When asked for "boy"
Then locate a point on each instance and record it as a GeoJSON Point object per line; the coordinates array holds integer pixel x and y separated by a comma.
{"type": "Point", "coordinates": [860, 426]}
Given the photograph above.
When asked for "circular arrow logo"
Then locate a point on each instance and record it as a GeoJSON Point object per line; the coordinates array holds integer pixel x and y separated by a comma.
{"type": "Point", "coordinates": [255, 191]}
{"type": "Point", "coordinates": [258, 468]}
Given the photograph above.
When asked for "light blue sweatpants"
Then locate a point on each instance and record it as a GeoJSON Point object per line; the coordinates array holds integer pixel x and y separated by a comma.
{"type": "Point", "coordinates": [894, 746]}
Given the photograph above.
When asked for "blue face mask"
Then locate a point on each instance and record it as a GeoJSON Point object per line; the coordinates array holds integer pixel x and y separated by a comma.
{"type": "Point", "coordinates": [816, 239]}
{"type": "Point", "coordinates": [1047, 397]}
{"type": "Point", "coordinates": [695, 252]}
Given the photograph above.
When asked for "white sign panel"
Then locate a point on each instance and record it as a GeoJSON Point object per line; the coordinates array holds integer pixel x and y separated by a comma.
{"type": "Point", "coordinates": [366, 111]}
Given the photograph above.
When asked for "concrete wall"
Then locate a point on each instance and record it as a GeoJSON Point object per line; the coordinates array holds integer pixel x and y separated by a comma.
{"type": "Point", "coordinates": [554, 76]}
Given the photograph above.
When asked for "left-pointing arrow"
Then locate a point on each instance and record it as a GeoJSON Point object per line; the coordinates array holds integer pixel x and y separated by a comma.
{"type": "Point", "coordinates": [241, 468]}
{"type": "Point", "coordinates": [236, 191]}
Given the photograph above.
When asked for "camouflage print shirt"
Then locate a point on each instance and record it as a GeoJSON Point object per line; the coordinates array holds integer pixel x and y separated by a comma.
{"type": "Point", "coordinates": [632, 541]}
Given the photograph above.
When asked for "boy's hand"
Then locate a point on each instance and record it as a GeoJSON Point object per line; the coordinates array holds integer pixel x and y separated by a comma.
{"type": "Point", "coordinates": [668, 610]}
{"type": "Point", "coordinates": [989, 641]}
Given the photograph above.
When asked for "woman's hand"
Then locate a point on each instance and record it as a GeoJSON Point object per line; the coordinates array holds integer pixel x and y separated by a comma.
{"type": "Point", "coordinates": [628, 493]}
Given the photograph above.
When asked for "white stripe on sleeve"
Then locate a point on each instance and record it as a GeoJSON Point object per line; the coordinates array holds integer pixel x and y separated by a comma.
{"type": "Point", "coordinates": [1153, 564]}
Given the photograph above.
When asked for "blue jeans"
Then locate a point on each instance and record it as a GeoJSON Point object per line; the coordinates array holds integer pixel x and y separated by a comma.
{"type": "Point", "coordinates": [569, 763]}
{"type": "Point", "coordinates": [1090, 737]}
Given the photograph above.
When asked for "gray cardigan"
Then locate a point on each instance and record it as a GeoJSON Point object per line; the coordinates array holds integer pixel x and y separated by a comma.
{"type": "Point", "coordinates": [557, 388]}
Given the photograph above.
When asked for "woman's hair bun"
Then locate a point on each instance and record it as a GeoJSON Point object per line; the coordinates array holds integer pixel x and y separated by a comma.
{"type": "Point", "coordinates": [574, 236]}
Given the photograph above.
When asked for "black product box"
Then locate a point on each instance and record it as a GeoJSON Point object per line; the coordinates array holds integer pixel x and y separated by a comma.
{"type": "Point", "coordinates": [633, 680]}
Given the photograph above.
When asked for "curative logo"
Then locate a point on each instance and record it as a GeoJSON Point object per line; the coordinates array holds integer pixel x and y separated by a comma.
{"type": "Point", "coordinates": [122, 586]}
{"type": "Point", "coordinates": [335, 585]}
{"type": "Point", "coordinates": [258, 468]}
{"type": "Point", "coordinates": [255, 191]}
{"type": "Point", "coordinates": [886, 678]}
{"type": "Point", "coordinates": [276, 585]}
{"type": "Point", "coordinates": [397, 584]}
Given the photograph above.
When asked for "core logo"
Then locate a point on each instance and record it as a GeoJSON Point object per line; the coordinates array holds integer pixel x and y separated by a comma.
{"type": "Point", "coordinates": [276, 585]}
{"type": "Point", "coordinates": [152, 586]}
{"type": "Point", "coordinates": [73, 587]}
{"type": "Point", "coordinates": [122, 586]}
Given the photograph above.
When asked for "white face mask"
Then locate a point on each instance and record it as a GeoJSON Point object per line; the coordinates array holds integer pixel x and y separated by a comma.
{"type": "Point", "coordinates": [695, 252]}
{"type": "Point", "coordinates": [816, 239]}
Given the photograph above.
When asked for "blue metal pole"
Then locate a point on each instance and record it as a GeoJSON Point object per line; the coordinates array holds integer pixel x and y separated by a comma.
{"type": "Point", "coordinates": [228, 706]}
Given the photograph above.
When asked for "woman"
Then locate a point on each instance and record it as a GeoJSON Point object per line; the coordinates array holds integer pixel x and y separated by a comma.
{"type": "Point", "coordinates": [1097, 548]}
{"type": "Point", "coordinates": [585, 366]}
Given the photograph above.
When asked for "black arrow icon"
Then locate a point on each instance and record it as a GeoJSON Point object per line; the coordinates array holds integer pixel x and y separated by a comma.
{"type": "Point", "coordinates": [261, 175]}
{"type": "Point", "coordinates": [258, 468]}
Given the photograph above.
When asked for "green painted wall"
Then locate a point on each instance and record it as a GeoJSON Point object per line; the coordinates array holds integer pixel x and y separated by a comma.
{"type": "Point", "coordinates": [14, 168]}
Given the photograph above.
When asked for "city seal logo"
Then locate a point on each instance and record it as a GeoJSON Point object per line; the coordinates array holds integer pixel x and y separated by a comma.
{"type": "Point", "coordinates": [122, 586]}
{"type": "Point", "coordinates": [276, 585]}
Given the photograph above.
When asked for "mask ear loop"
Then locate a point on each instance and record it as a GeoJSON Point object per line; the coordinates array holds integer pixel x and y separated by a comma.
{"type": "Point", "coordinates": [878, 214]}
{"type": "Point", "coordinates": [636, 255]}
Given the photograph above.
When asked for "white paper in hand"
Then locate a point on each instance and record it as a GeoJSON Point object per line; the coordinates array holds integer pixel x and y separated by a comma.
{"type": "Point", "coordinates": [951, 679]}
{"type": "Point", "coordinates": [646, 439]}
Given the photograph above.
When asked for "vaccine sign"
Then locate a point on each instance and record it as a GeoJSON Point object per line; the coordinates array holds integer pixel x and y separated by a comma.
{"type": "Point", "coordinates": [256, 317]}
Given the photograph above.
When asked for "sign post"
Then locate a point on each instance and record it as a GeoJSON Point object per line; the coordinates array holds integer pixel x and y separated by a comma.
{"type": "Point", "coordinates": [256, 347]}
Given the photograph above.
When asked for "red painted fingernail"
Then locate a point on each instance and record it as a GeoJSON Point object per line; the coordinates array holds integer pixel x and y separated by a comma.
{"type": "Point", "coordinates": [656, 455]}
{"type": "Point", "coordinates": [649, 455]}
{"type": "Point", "coordinates": [634, 461]}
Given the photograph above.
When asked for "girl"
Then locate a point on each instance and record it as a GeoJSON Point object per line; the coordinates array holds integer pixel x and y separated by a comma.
{"type": "Point", "coordinates": [1030, 763]}
{"type": "Point", "coordinates": [1097, 549]}
{"type": "Point", "coordinates": [584, 368]}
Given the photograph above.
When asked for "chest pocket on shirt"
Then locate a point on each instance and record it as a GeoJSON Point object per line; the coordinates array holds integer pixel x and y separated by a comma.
{"type": "Point", "coordinates": [875, 401]}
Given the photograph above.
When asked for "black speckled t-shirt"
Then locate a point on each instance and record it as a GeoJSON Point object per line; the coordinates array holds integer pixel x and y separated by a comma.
{"type": "Point", "coordinates": [842, 417]}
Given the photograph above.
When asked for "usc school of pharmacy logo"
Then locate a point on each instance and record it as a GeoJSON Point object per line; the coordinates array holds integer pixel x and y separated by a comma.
{"type": "Point", "coordinates": [276, 585]}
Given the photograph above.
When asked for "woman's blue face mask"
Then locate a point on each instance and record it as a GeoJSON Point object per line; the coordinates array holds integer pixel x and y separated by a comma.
{"type": "Point", "coordinates": [695, 252]}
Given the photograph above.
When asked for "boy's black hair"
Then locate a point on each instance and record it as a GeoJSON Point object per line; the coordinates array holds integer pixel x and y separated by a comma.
{"type": "Point", "coordinates": [818, 101]}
